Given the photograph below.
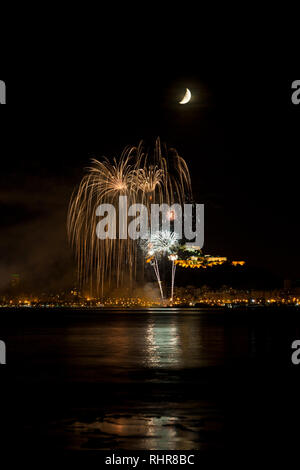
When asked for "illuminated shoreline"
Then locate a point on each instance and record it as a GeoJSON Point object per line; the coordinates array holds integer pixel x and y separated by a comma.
{"type": "Point", "coordinates": [201, 304]}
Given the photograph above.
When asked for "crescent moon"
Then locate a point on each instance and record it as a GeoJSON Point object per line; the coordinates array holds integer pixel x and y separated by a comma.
{"type": "Point", "coordinates": [186, 97]}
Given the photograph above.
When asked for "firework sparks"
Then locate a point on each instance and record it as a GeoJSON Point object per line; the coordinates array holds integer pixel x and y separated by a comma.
{"type": "Point", "coordinates": [164, 241]}
{"type": "Point", "coordinates": [157, 245]}
{"type": "Point", "coordinates": [145, 178]}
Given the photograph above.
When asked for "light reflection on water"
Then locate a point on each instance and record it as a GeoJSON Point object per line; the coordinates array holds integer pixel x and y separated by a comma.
{"type": "Point", "coordinates": [132, 379]}
{"type": "Point", "coordinates": [162, 345]}
{"type": "Point", "coordinates": [142, 431]}
{"type": "Point", "coordinates": [138, 380]}
{"type": "Point", "coordinates": [121, 345]}
{"type": "Point", "coordinates": [147, 432]}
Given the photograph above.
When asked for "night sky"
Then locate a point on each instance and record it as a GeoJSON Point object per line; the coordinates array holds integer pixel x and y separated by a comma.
{"type": "Point", "coordinates": [240, 137]}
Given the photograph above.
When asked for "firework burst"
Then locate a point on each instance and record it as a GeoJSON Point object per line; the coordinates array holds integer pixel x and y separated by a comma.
{"type": "Point", "coordinates": [157, 245]}
{"type": "Point", "coordinates": [145, 178]}
{"type": "Point", "coordinates": [164, 242]}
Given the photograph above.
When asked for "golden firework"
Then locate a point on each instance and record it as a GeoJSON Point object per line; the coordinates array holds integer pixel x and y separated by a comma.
{"type": "Point", "coordinates": [145, 178]}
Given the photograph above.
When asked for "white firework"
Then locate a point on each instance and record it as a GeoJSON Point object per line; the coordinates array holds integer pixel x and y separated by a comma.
{"type": "Point", "coordinates": [158, 244]}
{"type": "Point", "coordinates": [164, 242]}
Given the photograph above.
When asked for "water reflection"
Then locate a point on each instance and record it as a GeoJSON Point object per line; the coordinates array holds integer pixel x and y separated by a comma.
{"type": "Point", "coordinates": [139, 380]}
{"type": "Point", "coordinates": [117, 345]}
{"type": "Point", "coordinates": [141, 432]}
{"type": "Point", "coordinates": [162, 345]}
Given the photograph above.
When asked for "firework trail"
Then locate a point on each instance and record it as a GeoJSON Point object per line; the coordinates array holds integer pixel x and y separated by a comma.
{"type": "Point", "coordinates": [157, 177]}
{"type": "Point", "coordinates": [173, 258]}
{"type": "Point", "coordinates": [157, 245]}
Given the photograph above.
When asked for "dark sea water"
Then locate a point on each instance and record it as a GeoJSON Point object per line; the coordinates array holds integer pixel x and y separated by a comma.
{"type": "Point", "coordinates": [90, 380]}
